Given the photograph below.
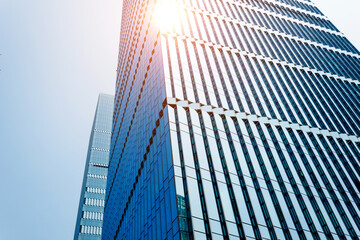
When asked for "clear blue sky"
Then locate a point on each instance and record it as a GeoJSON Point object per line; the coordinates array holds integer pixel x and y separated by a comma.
{"type": "Point", "coordinates": [57, 56]}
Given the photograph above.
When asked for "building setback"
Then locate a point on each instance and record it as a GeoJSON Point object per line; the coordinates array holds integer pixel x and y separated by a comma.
{"type": "Point", "coordinates": [233, 120]}
{"type": "Point", "coordinates": [91, 205]}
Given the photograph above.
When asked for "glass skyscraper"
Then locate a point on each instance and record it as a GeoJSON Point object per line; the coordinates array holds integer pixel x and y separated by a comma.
{"type": "Point", "coordinates": [91, 206]}
{"type": "Point", "coordinates": [233, 119]}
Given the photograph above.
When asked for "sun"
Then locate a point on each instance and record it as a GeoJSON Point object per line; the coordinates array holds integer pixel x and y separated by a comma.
{"type": "Point", "coordinates": [166, 15]}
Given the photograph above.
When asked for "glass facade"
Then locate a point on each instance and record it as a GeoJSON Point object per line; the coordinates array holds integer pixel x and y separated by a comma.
{"type": "Point", "coordinates": [92, 199]}
{"type": "Point", "coordinates": [234, 119]}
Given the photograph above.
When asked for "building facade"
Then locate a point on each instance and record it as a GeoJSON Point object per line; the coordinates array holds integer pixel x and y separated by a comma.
{"type": "Point", "coordinates": [234, 120]}
{"type": "Point", "coordinates": [91, 205]}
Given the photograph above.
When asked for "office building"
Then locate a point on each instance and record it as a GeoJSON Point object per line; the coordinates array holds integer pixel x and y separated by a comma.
{"type": "Point", "coordinates": [234, 120]}
{"type": "Point", "coordinates": [91, 205]}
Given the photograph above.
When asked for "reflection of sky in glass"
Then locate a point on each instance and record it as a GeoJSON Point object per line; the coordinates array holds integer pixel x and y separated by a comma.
{"type": "Point", "coordinates": [56, 57]}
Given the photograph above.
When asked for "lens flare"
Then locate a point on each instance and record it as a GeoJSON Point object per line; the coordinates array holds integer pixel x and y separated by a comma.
{"type": "Point", "coordinates": [166, 15]}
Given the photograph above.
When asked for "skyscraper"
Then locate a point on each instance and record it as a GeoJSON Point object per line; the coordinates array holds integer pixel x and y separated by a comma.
{"type": "Point", "coordinates": [234, 120]}
{"type": "Point", "coordinates": [91, 205]}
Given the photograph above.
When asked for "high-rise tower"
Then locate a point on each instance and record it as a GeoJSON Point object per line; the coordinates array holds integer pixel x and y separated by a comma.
{"type": "Point", "coordinates": [91, 205]}
{"type": "Point", "coordinates": [233, 120]}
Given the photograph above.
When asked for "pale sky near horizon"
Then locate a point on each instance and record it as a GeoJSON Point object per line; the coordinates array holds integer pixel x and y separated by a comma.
{"type": "Point", "coordinates": [56, 57]}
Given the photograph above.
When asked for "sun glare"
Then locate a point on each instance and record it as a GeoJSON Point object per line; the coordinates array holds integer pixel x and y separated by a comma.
{"type": "Point", "coordinates": [166, 15]}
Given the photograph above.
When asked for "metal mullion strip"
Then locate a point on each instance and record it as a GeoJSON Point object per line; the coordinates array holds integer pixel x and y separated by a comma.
{"type": "Point", "coordinates": [298, 99]}
{"type": "Point", "coordinates": [282, 186]}
{"type": "Point", "coordinates": [331, 65]}
{"type": "Point", "coordinates": [232, 9]}
{"type": "Point", "coordinates": [341, 172]}
{"type": "Point", "coordinates": [350, 45]}
{"type": "Point", "coordinates": [207, 27]}
{"type": "Point", "coordinates": [199, 177]}
{"type": "Point", "coordinates": [186, 24]}
{"type": "Point", "coordinates": [228, 9]}
{"type": "Point", "coordinates": [292, 18]}
{"type": "Point", "coordinates": [318, 60]}
{"type": "Point", "coordinates": [213, 179]}
{"type": "Point", "coordinates": [229, 103]}
{"type": "Point", "coordinates": [332, 101]}
{"type": "Point", "coordinates": [264, 20]}
{"type": "Point", "coordinates": [257, 71]}
{"type": "Point", "coordinates": [291, 9]}
{"type": "Point", "coordinates": [286, 51]}
{"type": "Point", "coordinates": [288, 113]}
{"type": "Point", "coordinates": [304, 179]}
{"type": "Point", "coordinates": [227, 178]}
{"type": "Point", "coordinates": [271, 40]}
{"type": "Point", "coordinates": [184, 179]}
{"type": "Point", "coordinates": [264, 51]}
{"type": "Point", "coordinates": [229, 36]}
{"type": "Point", "coordinates": [317, 99]}
{"type": "Point", "coordinates": [216, 77]}
{"type": "Point", "coordinates": [310, 103]}
{"type": "Point", "coordinates": [295, 9]}
{"type": "Point", "coordinates": [195, 157]}
{"type": "Point", "coordinates": [239, 52]}
{"type": "Point", "coordinates": [250, 75]}
{"type": "Point", "coordinates": [352, 170]}
{"type": "Point", "coordinates": [358, 145]}
{"type": "Point", "coordinates": [126, 39]}
{"type": "Point", "coordinates": [309, 59]}
{"type": "Point", "coordinates": [243, 86]}
{"type": "Point", "coordinates": [341, 60]}
{"type": "Point", "coordinates": [215, 31]}
{"type": "Point", "coordinates": [229, 84]}
{"type": "Point", "coordinates": [354, 91]}
{"type": "Point", "coordinates": [275, 122]}
{"type": "Point", "coordinates": [280, 27]}
{"type": "Point", "coordinates": [221, 8]}
{"type": "Point", "coordinates": [211, 167]}
{"type": "Point", "coordinates": [189, 222]}
{"type": "Point", "coordinates": [227, 69]}
{"type": "Point", "coordinates": [200, 4]}
{"type": "Point", "coordinates": [242, 180]}
{"type": "Point", "coordinates": [321, 43]}
{"type": "Point", "coordinates": [293, 183]}
{"type": "Point", "coordinates": [235, 209]}
{"type": "Point", "coordinates": [296, 31]}
{"type": "Point", "coordinates": [355, 63]}
{"type": "Point", "coordinates": [345, 92]}
{"type": "Point", "coordinates": [254, 43]}
{"type": "Point", "coordinates": [236, 31]}
{"type": "Point", "coordinates": [249, 45]}
{"type": "Point", "coordinates": [293, 51]}
{"type": "Point", "coordinates": [308, 33]}
{"type": "Point", "coordinates": [292, 31]}
{"type": "Point", "coordinates": [339, 184]}
{"type": "Point", "coordinates": [223, 26]}
{"type": "Point", "coordinates": [242, 13]}
{"type": "Point", "coordinates": [351, 158]}
{"type": "Point", "coordinates": [269, 47]}
{"type": "Point", "coordinates": [252, 17]}
{"type": "Point", "coordinates": [234, 205]}
{"type": "Point", "coordinates": [238, 86]}
{"type": "Point", "coordinates": [270, 187]}
{"type": "Point", "coordinates": [299, 114]}
{"type": "Point", "coordinates": [201, 31]}
{"type": "Point", "coordinates": [354, 150]}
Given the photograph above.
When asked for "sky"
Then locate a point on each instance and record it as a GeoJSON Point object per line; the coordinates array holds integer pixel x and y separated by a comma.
{"type": "Point", "coordinates": [56, 57]}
